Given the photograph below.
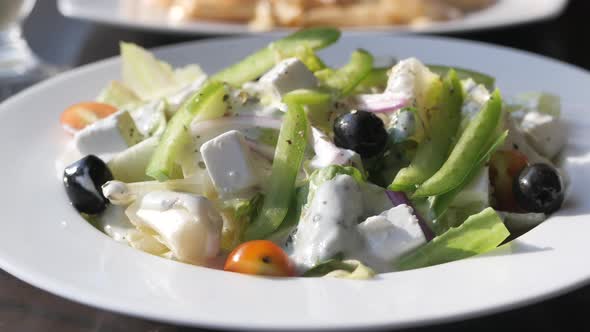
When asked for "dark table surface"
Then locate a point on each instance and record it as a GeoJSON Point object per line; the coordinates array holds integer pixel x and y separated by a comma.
{"type": "Point", "coordinates": [72, 43]}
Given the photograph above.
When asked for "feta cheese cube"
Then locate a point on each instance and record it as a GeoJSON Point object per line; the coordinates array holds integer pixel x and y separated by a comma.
{"type": "Point", "coordinates": [544, 132]}
{"type": "Point", "coordinates": [112, 134]}
{"type": "Point", "coordinates": [477, 191]}
{"type": "Point", "coordinates": [227, 158]}
{"type": "Point", "coordinates": [288, 75]}
{"type": "Point", "coordinates": [391, 234]}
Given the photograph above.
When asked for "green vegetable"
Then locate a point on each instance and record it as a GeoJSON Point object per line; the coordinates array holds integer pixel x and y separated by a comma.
{"type": "Point", "coordinates": [348, 269]}
{"type": "Point", "coordinates": [478, 234]}
{"type": "Point", "coordinates": [203, 105]}
{"type": "Point", "coordinates": [118, 95]}
{"type": "Point", "coordinates": [130, 164]}
{"type": "Point", "coordinates": [237, 214]}
{"type": "Point", "coordinates": [260, 62]}
{"type": "Point", "coordinates": [293, 215]}
{"type": "Point", "coordinates": [467, 151]}
{"type": "Point", "coordinates": [345, 79]}
{"type": "Point", "coordinates": [480, 78]}
{"type": "Point", "coordinates": [307, 97]}
{"type": "Point", "coordinates": [286, 165]}
{"type": "Point", "coordinates": [375, 80]}
{"type": "Point", "coordinates": [310, 59]}
{"type": "Point", "coordinates": [151, 78]}
{"type": "Point", "coordinates": [433, 151]}
{"type": "Point", "coordinates": [442, 202]}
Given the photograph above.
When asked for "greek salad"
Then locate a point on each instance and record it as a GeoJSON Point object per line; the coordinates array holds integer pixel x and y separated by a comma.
{"type": "Point", "coordinates": [281, 165]}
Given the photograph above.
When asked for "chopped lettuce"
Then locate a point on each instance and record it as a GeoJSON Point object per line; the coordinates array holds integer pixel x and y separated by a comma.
{"type": "Point", "coordinates": [480, 233]}
{"type": "Point", "coordinates": [118, 95]}
{"type": "Point", "coordinates": [150, 78]}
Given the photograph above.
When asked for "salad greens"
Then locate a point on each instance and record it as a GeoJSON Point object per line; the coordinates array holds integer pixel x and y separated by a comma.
{"type": "Point", "coordinates": [432, 152]}
{"type": "Point", "coordinates": [283, 165]}
{"type": "Point", "coordinates": [480, 233]}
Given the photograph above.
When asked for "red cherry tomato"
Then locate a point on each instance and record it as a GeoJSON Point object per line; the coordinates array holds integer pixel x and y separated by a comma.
{"type": "Point", "coordinates": [504, 167]}
{"type": "Point", "coordinates": [78, 116]}
{"type": "Point", "coordinates": [260, 257]}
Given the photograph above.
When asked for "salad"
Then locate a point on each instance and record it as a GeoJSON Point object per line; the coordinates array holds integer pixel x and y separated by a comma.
{"type": "Point", "coordinates": [281, 165]}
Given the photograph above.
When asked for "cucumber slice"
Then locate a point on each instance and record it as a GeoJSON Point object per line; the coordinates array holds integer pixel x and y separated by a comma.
{"type": "Point", "coordinates": [260, 62]}
{"type": "Point", "coordinates": [204, 105]}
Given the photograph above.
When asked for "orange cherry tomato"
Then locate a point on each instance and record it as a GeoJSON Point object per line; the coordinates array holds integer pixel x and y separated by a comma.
{"type": "Point", "coordinates": [80, 115]}
{"type": "Point", "coordinates": [260, 257]}
{"type": "Point", "coordinates": [504, 167]}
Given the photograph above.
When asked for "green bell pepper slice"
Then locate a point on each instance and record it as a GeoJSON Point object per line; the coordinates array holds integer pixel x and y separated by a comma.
{"type": "Point", "coordinates": [466, 152]}
{"type": "Point", "coordinates": [287, 162]}
{"type": "Point", "coordinates": [376, 79]}
{"type": "Point", "coordinates": [206, 104]}
{"type": "Point", "coordinates": [442, 202]}
{"type": "Point", "coordinates": [486, 80]}
{"type": "Point", "coordinates": [433, 151]}
{"type": "Point", "coordinates": [480, 233]}
{"type": "Point", "coordinates": [345, 79]}
{"type": "Point", "coordinates": [260, 62]}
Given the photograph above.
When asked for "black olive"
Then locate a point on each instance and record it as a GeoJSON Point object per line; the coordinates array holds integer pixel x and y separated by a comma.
{"type": "Point", "coordinates": [83, 180]}
{"type": "Point", "coordinates": [360, 131]}
{"type": "Point", "coordinates": [538, 188]}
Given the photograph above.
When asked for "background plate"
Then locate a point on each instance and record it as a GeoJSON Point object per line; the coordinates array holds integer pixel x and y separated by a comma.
{"type": "Point", "coordinates": [44, 242]}
{"type": "Point", "coordinates": [125, 13]}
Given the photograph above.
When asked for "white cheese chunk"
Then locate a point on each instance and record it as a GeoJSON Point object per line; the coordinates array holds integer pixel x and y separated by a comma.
{"type": "Point", "coordinates": [112, 134]}
{"type": "Point", "coordinates": [477, 191]}
{"type": "Point", "coordinates": [546, 133]}
{"type": "Point", "coordinates": [390, 235]}
{"type": "Point", "coordinates": [329, 225]}
{"type": "Point", "coordinates": [410, 79]}
{"type": "Point", "coordinates": [327, 153]}
{"type": "Point", "coordinates": [288, 75]}
{"type": "Point", "coordinates": [516, 140]}
{"type": "Point", "coordinates": [227, 158]}
{"type": "Point", "coordinates": [187, 224]}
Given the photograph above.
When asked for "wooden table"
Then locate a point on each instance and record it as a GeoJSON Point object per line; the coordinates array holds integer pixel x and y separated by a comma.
{"type": "Point", "coordinates": [73, 43]}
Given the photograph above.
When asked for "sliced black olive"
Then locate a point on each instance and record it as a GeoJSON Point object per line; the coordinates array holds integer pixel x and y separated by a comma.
{"type": "Point", "coordinates": [83, 180]}
{"type": "Point", "coordinates": [360, 131]}
{"type": "Point", "coordinates": [539, 188]}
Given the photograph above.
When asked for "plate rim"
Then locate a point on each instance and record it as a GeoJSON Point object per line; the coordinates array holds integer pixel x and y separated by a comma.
{"type": "Point", "coordinates": [58, 290]}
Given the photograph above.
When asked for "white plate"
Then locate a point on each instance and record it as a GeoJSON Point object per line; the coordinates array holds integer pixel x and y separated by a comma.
{"type": "Point", "coordinates": [44, 242]}
{"type": "Point", "coordinates": [127, 14]}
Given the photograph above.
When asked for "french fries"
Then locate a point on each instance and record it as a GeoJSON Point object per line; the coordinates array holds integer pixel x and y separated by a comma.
{"type": "Point", "coordinates": [267, 14]}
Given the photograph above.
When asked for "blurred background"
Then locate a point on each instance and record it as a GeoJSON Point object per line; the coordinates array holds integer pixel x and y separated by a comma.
{"type": "Point", "coordinates": [58, 43]}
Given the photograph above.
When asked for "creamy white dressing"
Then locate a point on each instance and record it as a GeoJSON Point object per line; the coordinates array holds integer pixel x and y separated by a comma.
{"type": "Point", "coordinates": [327, 153]}
{"type": "Point", "coordinates": [331, 225]}
{"type": "Point", "coordinates": [328, 227]}
{"type": "Point", "coordinates": [188, 224]}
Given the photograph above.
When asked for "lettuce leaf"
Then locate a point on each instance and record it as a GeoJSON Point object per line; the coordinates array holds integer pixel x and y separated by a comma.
{"type": "Point", "coordinates": [151, 78]}
{"type": "Point", "coordinates": [480, 233]}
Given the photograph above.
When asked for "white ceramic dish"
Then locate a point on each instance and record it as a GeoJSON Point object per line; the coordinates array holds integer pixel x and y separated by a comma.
{"type": "Point", "coordinates": [44, 242]}
{"type": "Point", "coordinates": [126, 13]}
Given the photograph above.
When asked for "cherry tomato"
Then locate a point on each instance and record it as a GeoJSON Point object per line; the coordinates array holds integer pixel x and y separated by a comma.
{"type": "Point", "coordinates": [504, 168]}
{"type": "Point", "coordinates": [78, 116]}
{"type": "Point", "coordinates": [260, 257]}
